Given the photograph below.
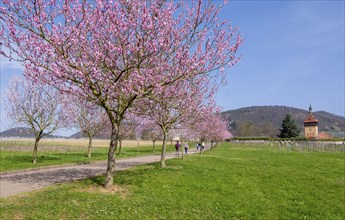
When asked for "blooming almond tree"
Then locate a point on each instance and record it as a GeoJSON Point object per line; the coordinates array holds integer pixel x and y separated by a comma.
{"type": "Point", "coordinates": [152, 132]}
{"type": "Point", "coordinates": [114, 53]}
{"type": "Point", "coordinates": [34, 105]}
{"type": "Point", "coordinates": [219, 130]}
{"type": "Point", "coordinates": [86, 116]}
{"type": "Point", "coordinates": [212, 127]}
{"type": "Point", "coordinates": [176, 104]}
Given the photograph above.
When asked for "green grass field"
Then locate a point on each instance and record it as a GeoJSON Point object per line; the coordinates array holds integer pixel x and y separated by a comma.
{"type": "Point", "coordinates": [230, 182]}
{"type": "Point", "coordinates": [17, 154]}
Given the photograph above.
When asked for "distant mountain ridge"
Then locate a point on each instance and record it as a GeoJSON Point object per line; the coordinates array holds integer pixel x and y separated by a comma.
{"type": "Point", "coordinates": [79, 134]}
{"type": "Point", "coordinates": [267, 120]}
{"type": "Point", "coordinates": [249, 121]}
{"type": "Point", "coordinates": [22, 132]}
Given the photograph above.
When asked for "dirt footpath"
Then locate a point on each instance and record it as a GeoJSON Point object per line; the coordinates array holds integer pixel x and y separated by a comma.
{"type": "Point", "coordinates": [17, 182]}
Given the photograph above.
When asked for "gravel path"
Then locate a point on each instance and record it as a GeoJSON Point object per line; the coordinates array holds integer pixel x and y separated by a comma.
{"type": "Point", "coordinates": [21, 181]}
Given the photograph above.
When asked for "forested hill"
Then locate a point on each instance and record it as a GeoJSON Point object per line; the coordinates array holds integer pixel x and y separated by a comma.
{"type": "Point", "coordinates": [266, 120]}
{"type": "Point", "coordinates": [22, 132]}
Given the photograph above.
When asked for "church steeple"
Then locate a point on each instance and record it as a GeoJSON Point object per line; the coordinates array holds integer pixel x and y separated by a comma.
{"type": "Point", "coordinates": [311, 129]}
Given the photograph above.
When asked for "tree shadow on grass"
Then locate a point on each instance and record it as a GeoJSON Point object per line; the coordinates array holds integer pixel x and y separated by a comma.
{"type": "Point", "coordinates": [48, 157]}
{"type": "Point", "coordinates": [74, 157]}
{"type": "Point", "coordinates": [136, 175]}
{"type": "Point", "coordinates": [133, 176]}
{"type": "Point", "coordinates": [28, 158]}
{"type": "Point", "coordinates": [97, 155]}
{"type": "Point", "coordinates": [97, 180]}
{"type": "Point", "coordinates": [53, 176]}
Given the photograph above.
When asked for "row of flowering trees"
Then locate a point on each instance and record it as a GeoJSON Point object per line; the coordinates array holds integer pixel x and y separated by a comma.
{"type": "Point", "coordinates": [158, 60]}
{"type": "Point", "coordinates": [45, 110]}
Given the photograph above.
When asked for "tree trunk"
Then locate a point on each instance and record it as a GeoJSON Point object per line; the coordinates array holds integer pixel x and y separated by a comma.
{"type": "Point", "coordinates": [109, 179]}
{"type": "Point", "coordinates": [120, 147]}
{"type": "Point", "coordinates": [154, 146]}
{"type": "Point", "coordinates": [163, 149]}
{"type": "Point", "coordinates": [89, 149]}
{"type": "Point", "coordinates": [182, 149]}
{"type": "Point", "coordinates": [34, 154]}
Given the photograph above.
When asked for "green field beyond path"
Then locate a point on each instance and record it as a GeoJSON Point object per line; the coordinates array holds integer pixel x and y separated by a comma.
{"type": "Point", "coordinates": [16, 154]}
{"type": "Point", "coordinates": [230, 182]}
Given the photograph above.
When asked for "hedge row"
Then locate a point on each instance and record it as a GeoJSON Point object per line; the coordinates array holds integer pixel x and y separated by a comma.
{"type": "Point", "coordinates": [283, 139]}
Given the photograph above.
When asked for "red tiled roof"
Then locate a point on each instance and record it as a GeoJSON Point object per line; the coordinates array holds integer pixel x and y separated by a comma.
{"type": "Point", "coordinates": [324, 135]}
{"type": "Point", "coordinates": [310, 119]}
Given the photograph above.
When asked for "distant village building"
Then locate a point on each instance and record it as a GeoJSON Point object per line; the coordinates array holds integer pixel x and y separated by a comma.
{"type": "Point", "coordinates": [324, 135]}
{"type": "Point", "coordinates": [311, 130]}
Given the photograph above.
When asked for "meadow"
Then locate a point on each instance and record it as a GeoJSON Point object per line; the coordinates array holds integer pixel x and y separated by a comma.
{"type": "Point", "coordinates": [16, 154]}
{"type": "Point", "coordinates": [229, 182]}
{"type": "Point", "coordinates": [73, 143]}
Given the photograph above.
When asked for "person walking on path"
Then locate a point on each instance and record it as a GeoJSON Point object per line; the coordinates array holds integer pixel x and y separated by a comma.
{"type": "Point", "coordinates": [202, 145]}
{"type": "Point", "coordinates": [177, 147]}
{"type": "Point", "coordinates": [186, 146]}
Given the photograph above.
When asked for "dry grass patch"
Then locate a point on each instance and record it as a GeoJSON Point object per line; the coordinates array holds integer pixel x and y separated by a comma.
{"type": "Point", "coordinates": [23, 143]}
{"type": "Point", "coordinates": [122, 191]}
{"type": "Point", "coordinates": [18, 216]}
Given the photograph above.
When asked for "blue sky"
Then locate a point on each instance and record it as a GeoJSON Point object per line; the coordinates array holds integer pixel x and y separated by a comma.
{"type": "Point", "coordinates": [293, 55]}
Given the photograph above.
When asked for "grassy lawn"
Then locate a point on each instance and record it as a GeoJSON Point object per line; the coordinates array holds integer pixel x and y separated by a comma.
{"type": "Point", "coordinates": [17, 154]}
{"type": "Point", "coordinates": [230, 182]}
